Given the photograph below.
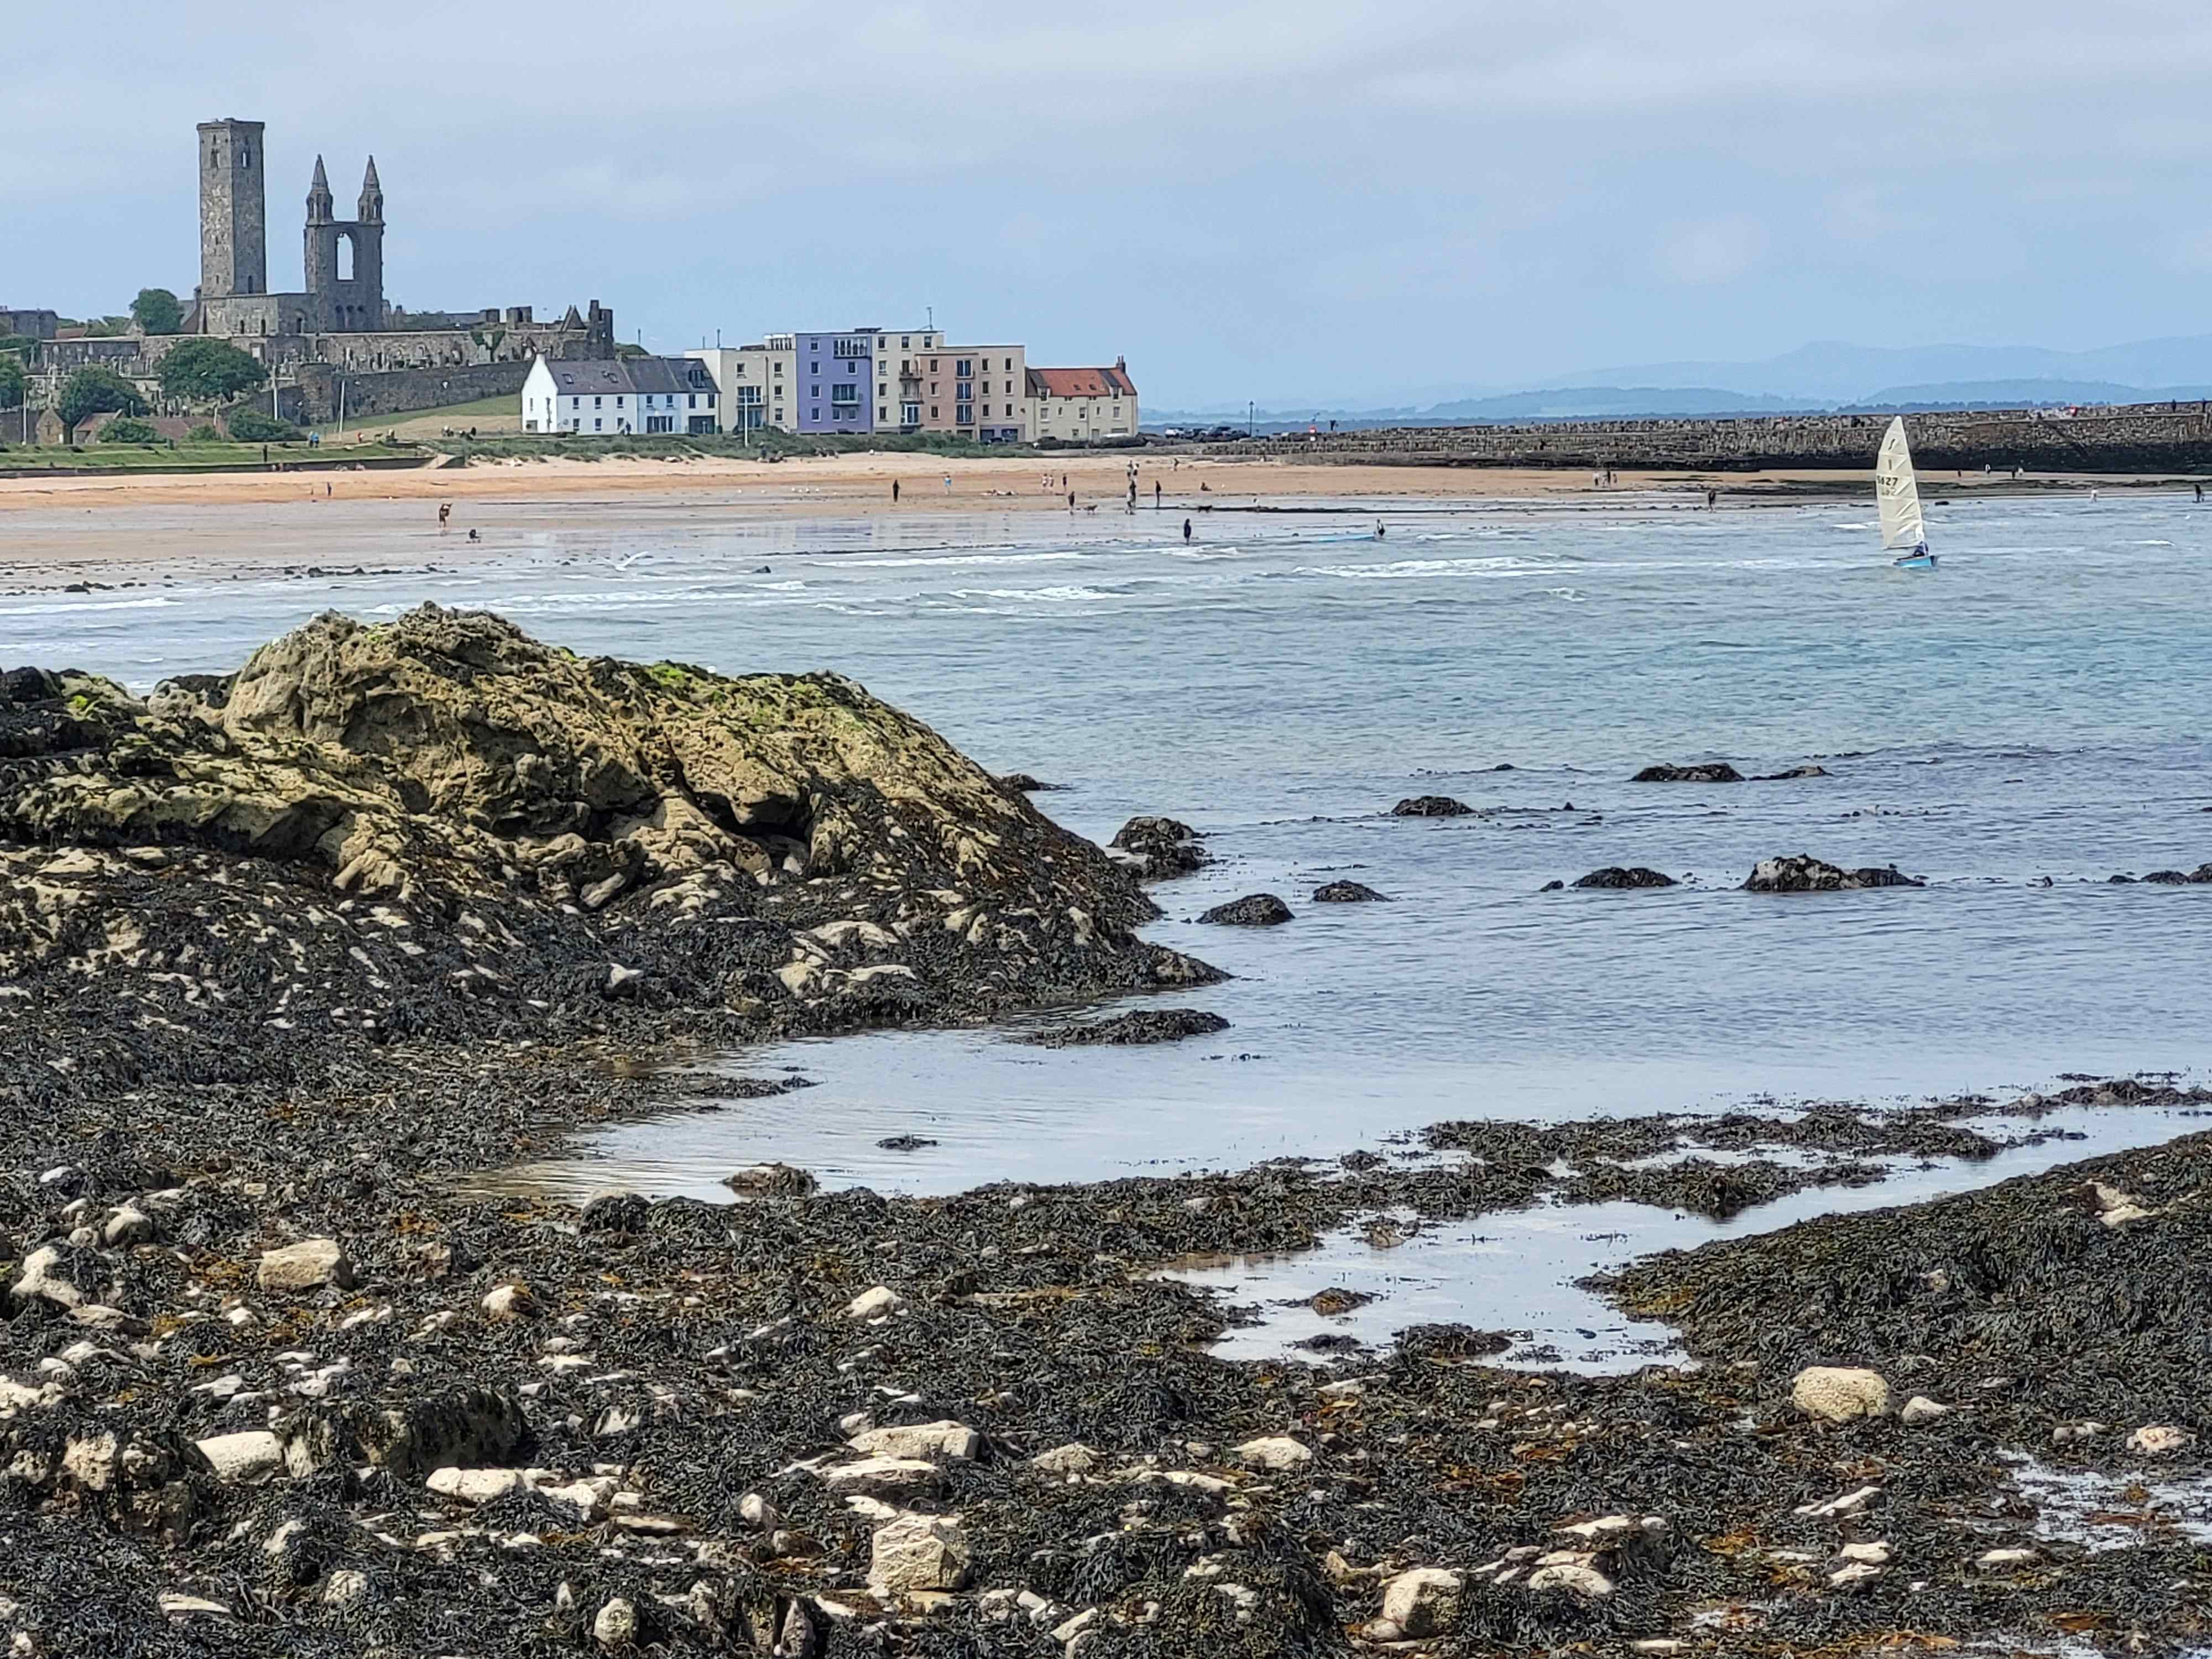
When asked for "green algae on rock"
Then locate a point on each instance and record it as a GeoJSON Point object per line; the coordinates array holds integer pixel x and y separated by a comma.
{"type": "Point", "coordinates": [441, 826]}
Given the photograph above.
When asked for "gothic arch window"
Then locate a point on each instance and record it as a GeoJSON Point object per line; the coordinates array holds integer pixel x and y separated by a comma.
{"type": "Point", "coordinates": [349, 260]}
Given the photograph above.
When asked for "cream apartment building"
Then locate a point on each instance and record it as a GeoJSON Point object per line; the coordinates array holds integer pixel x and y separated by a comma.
{"type": "Point", "coordinates": [1082, 405]}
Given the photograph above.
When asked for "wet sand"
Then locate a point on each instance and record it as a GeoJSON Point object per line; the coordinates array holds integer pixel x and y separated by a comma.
{"type": "Point", "coordinates": [115, 528]}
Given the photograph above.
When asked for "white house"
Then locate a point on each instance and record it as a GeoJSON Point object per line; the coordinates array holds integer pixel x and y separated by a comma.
{"type": "Point", "coordinates": [623, 395]}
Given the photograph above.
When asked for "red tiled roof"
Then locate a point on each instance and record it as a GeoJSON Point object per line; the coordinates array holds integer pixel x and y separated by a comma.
{"type": "Point", "coordinates": [1082, 382]}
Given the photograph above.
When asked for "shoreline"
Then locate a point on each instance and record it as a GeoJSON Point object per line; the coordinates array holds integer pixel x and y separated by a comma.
{"type": "Point", "coordinates": [142, 530]}
{"type": "Point", "coordinates": [280, 979]}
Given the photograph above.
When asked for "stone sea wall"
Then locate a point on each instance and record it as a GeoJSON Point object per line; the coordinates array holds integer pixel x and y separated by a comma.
{"type": "Point", "coordinates": [2138, 438]}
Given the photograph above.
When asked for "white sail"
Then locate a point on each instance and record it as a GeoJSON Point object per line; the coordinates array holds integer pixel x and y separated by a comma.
{"type": "Point", "coordinates": [1896, 493]}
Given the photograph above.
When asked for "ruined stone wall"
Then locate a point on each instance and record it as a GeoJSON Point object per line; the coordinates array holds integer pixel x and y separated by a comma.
{"type": "Point", "coordinates": [399, 390]}
{"type": "Point", "coordinates": [2136, 438]}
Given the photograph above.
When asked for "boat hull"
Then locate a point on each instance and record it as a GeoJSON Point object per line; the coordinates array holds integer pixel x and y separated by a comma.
{"type": "Point", "coordinates": [1916, 561]}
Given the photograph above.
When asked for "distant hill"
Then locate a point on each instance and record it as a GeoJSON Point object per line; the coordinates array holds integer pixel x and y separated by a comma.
{"type": "Point", "coordinates": [1609, 403]}
{"type": "Point", "coordinates": [1824, 374]}
{"type": "Point", "coordinates": [1834, 371]}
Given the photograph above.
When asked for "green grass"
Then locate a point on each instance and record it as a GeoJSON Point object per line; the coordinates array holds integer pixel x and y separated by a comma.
{"type": "Point", "coordinates": [184, 458]}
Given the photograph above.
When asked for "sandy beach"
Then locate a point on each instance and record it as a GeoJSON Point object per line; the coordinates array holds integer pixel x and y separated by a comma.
{"type": "Point", "coordinates": [92, 528]}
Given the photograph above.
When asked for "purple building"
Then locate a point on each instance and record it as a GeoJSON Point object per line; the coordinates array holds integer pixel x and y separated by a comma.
{"type": "Point", "coordinates": [836, 381]}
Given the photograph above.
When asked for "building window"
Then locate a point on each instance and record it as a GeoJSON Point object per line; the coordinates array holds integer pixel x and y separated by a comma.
{"type": "Point", "coordinates": [596, 424]}
{"type": "Point", "coordinates": [598, 403]}
{"type": "Point", "coordinates": [933, 412]}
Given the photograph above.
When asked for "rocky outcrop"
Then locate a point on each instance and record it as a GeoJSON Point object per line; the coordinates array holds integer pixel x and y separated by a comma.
{"type": "Point", "coordinates": [1252, 910]}
{"type": "Point", "coordinates": [1702, 772]}
{"type": "Point", "coordinates": [440, 826]}
{"type": "Point", "coordinates": [1143, 1027]}
{"type": "Point", "coordinates": [1161, 848]}
{"type": "Point", "coordinates": [1348, 892]}
{"type": "Point", "coordinates": [1802, 873]}
{"type": "Point", "coordinates": [1615, 878]}
{"type": "Point", "coordinates": [1432, 806]}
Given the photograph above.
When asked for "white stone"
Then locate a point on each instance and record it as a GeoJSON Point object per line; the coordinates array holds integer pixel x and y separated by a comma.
{"type": "Point", "coordinates": [1073, 1458]}
{"type": "Point", "coordinates": [756, 1511]}
{"type": "Point", "coordinates": [307, 1266]}
{"type": "Point", "coordinates": [954, 1443]}
{"type": "Point", "coordinates": [875, 1304]}
{"type": "Point", "coordinates": [1850, 1503]}
{"type": "Point", "coordinates": [1274, 1452]}
{"type": "Point", "coordinates": [1840, 1393]}
{"type": "Point", "coordinates": [1997, 1560]}
{"type": "Point", "coordinates": [91, 1461]}
{"type": "Point", "coordinates": [510, 1301]}
{"type": "Point", "coordinates": [883, 1477]}
{"type": "Point", "coordinates": [128, 1225]}
{"type": "Point", "coordinates": [1606, 1530]}
{"type": "Point", "coordinates": [344, 1585]}
{"type": "Point", "coordinates": [1873, 1553]}
{"type": "Point", "coordinates": [184, 1606]}
{"type": "Point", "coordinates": [2159, 1440]}
{"type": "Point", "coordinates": [1854, 1572]}
{"type": "Point", "coordinates": [1921, 1409]}
{"type": "Point", "coordinates": [247, 1458]}
{"type": "Point", "coordinates": [36, 1279]}
{"type": "Point", "coordinates": [474, 1486]}
{"type": "Point", "coordinates": [918, 1552]}
{"type": "Point", "coordinates": [1580, 1577]}
{"type": "Point", "coordinates": [615, 1624]}
{"type": "Point", "coordinates": [1423, 1601]}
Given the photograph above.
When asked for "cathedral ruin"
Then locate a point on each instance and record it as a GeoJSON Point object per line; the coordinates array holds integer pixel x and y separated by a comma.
{"type": "Point", "coordinates": [338, 344]}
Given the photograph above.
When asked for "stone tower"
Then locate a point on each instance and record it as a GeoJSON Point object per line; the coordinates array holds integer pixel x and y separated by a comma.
{"type": "Point", "coordinates": [343, 301]}
{"type": "Point", "coordinates": [234, 210]}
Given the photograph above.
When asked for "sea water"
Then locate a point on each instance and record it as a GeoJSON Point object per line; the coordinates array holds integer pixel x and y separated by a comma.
{"type": "Point", "coordinates": [2037, 708]}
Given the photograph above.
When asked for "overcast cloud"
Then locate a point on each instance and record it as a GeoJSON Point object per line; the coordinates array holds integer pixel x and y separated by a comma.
{"type": "Point", "coordinates": [1291, 201]}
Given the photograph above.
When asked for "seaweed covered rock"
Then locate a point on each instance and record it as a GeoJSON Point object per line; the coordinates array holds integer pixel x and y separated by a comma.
{"type": "Point", "coordinates": [1802, 873]}
{"type": "Point", "coordinates": [1348, 892]}
{"type": "Point", "coordinates": [1432, 806]}
{"type": "Point", "coordinates": [1252, 910]}
{"type": "Point", "coordinates": [1702, 772]}
{"type": "Point", "coordinates": [1142, 1027]}
{"type": "Point", "coordinates": [1160, 848]}
{"type": "Point", "coordinates": [1614, 878]}
{"type": "Point", "coordinates": [442, 828]}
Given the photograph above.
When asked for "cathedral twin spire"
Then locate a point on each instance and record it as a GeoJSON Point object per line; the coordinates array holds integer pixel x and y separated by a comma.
{"type": "Point", "coordinates": [370, 209]}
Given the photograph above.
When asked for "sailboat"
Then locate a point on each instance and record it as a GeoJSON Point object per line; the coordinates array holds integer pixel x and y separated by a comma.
{"type": "Point", "coordinates": [1897, 494]}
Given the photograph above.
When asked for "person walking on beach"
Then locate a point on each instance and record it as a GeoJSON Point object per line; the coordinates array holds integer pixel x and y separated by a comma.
{"type": "Point", "coordinates": [1156, 494]}
{"type": "Point", "coordinates": [2200, 492]}
{"type": "Point", "coordinates": [1712, 498]}
{"type": "Point", "coordinates": [1186, 529]}
{"type": "Point", "coordinates": [445, 512]}
{"type": "Point", "coordinates": [894, 492]}
{"type": "Point", "coordinates": [948, 483]}
{"type": "Point", "coordinates": [1071, 501]}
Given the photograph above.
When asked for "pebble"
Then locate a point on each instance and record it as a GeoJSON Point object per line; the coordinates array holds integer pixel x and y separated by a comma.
{"type": "Point", "coordinates": [1274, 1452]}
{"type": "Point", "coordinates": [307, 1266]}
{"type": "Point", "coordinates": [615, 1625]}
{"type": "Point", "coordinates": [1073, 1459]}
{"type": "Point", "coordinates": [953, 1443]}
{"type": "Point", "coordinates": [1423, 1602]}
{"type": "Point", "coordinates": [2159, 1440]}
{"type": "Point", "coordinates": [1840, 1393]}
{"type": "Point", "coordinates": [247, 1458]}
{"type": "Point", "coordinates": [875, 1304]}
{"type": "Point", "coordinates": [512, 1300]}
{"type": "Point", "coordinates": [474, 1486]}
{"type": "Point", "coordinates": [1921, 1409]}
{"type": "Point", "coordinates": [918, 1552]}
{"type": "Point", "coordinates": [38, 1280]}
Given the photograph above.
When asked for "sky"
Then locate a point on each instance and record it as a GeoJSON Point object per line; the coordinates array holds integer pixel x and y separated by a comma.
{"type": "Point", "coordinates": [1294, 201]}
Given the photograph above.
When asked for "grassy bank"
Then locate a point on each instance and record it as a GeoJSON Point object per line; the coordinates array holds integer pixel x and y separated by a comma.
{"type": "Point", "coordinates": [185, 457]}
